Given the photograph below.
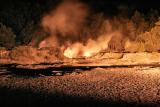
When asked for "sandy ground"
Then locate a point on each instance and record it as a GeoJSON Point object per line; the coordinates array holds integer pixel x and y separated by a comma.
{"type": "Point", "coordinates": [126, 87]}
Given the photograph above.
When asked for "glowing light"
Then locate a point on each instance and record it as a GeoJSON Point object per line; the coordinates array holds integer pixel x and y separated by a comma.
{"type": "Point", "coordinates": [91, 48]}
{"type": "Point", "coordinates": [69, 52]}
{"type": "Point", "coordinates": [87, 54]}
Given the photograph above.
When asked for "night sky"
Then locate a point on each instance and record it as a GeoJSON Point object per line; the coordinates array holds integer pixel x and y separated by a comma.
{"type": "Point", "coordinates": [99, 5]}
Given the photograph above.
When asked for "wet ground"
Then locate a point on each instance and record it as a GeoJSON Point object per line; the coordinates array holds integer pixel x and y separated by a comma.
{"type": "Point", "coordinates": [112, 87]}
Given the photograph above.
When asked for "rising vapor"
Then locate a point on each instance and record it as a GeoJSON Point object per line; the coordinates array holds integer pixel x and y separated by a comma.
{"type": "Point", "coordinates": [66, 23]}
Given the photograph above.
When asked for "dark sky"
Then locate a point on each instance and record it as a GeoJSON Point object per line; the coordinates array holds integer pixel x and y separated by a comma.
{"type": "Point", "coordinates": [106, 6]}
{"type": "Point", "coordinates": [140, 4]}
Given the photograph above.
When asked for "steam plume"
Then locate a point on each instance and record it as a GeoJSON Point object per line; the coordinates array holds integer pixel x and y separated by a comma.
{"type": "Point", "coordinates": [66, 21]}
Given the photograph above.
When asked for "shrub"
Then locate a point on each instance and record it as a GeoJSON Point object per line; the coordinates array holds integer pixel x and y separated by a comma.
{"type": "Point", "coordinates": [151, 39]}
{"type": "Point", "coordinates": [140, 23]}
{"type": "Point", "coordinates": [32, 34]}
{"type": "Point", "coordinates": [147, 41]}
{"type": "Point", "coordinates": [7, 37]}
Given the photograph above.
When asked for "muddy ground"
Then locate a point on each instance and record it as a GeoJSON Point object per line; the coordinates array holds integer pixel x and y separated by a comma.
{"type": "Point", "coordinates": [112, 87]}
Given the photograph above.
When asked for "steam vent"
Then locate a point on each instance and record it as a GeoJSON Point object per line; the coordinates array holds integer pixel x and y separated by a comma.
{"type": "Point", "coordinates": [87, 53]}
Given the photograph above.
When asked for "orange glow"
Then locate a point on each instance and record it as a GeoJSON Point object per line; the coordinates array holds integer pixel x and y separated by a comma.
{"type": "Point", "coordinates": [91, 48]}
{"type": "Point", "coordinates": [65, 25]}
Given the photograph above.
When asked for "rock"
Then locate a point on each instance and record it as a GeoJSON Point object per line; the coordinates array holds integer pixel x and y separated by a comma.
{"type": "Point", "coordinates": [104, 55]}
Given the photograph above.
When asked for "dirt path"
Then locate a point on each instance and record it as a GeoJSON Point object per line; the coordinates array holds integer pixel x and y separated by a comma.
{"type": "Point", "coordinates": [98, 87]}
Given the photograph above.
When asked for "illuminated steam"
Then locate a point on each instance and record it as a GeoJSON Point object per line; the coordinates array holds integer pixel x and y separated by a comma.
{"type": "Point", "coordinates": [66, 20]}
{"type": "Point", "coordinates": [66, 23]}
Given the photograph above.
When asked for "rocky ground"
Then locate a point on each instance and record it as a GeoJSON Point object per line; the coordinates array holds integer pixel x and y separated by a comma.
{"type": "Point", "coordinates": [106, 79]}
{"type": "Point", "coordinates": [126, 87]}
